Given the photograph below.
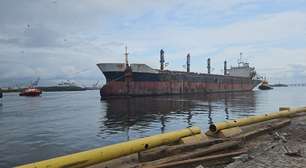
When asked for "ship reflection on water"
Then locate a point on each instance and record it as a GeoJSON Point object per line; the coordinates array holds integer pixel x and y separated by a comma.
{"type": "Point", "coordinates": [141, 113]}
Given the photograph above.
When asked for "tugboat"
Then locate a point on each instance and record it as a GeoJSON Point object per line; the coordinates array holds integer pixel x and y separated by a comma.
{"type": "Point", "coordinates": [265, 85]}
{"type": "Point", "coordinates": [30, 91]}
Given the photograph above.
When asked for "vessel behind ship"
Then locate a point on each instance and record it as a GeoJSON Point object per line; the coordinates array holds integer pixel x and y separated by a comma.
{"type": "Point", "coordinates": [125, 80]}
{"type": "Point", "coordinates": [265, 85]}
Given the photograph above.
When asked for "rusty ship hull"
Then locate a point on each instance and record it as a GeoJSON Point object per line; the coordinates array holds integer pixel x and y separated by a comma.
{"type": "Point", "coordinates": [141, 80]}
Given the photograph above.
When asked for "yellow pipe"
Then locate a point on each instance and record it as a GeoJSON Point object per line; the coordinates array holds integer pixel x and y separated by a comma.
{"type": "Point", "coordinates": [110, 152]}
{"type": "Point", "coordinates": [253, 119]}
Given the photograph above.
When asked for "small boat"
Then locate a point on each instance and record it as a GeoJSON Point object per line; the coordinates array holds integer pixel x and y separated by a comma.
{"type": "Point", "coordinates": [30, 92]}
{"type": "Point", "coordinates": [265, 86]}
{"type": "Point", "coordinates": [1, 94]}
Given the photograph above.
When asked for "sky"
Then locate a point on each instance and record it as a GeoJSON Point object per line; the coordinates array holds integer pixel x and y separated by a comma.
{"type": "Point", "coordinates": [64, 39]}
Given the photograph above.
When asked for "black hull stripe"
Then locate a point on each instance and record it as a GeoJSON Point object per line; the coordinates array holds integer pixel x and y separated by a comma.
{"type": "Point", "coordinates": [188, 77]}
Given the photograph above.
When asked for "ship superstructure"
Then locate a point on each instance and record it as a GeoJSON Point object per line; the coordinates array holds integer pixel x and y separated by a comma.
{"type": "Point", "coordinates": [123, 79]}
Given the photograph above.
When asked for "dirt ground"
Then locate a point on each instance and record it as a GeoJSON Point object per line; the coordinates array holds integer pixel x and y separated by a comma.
{"type": "Point", "coordinates": [285, 147]}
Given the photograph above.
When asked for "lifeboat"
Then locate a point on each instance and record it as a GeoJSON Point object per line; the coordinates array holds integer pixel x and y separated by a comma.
{"type": "Point", "coordinates": [30, 92]}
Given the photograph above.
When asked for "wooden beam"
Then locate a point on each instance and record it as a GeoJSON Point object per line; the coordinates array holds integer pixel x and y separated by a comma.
{"type": "Point", "coordinates": [200, 159]}
{"type": "Point", "coordinates": [265, 129]}
{"type": "Point", "coordinates": [164, 151]}
{"type": "Point", "coordinates": [196, 153]}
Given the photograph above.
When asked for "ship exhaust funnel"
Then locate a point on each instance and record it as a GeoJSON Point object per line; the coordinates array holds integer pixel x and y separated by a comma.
{"type": "Point", "coordinates": [188, 62]}
{"type": "Point", "coordinates": [225, 67]}
{"type": "Point", "coordinates": [208, 66]}
{"type": "Point", "coordinates": [162, 59]}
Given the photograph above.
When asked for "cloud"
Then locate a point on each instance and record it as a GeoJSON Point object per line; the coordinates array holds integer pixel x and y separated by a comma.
{"type": "Point", "coordinates": [293, 73]}
{"type": "Point", "coordinates": [61, 39]}
{"type": "Point", "coordinates": [34, 37]}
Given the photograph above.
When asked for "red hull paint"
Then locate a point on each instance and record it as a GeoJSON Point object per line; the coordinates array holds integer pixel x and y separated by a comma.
{"type": "Point", "coordinates": [146, 88]}
{"type": "Point", "coordinates": [31, 92]}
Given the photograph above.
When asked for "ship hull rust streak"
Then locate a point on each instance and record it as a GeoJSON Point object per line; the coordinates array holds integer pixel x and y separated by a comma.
{"type": "Point", "coordinates": [145, 88]}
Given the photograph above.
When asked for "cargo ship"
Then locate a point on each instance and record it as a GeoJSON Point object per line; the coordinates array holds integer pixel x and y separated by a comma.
{"type": "Point", "coordinates": [129, 80]}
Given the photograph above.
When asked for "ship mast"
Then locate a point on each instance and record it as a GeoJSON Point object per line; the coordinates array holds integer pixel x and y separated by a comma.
{"type": "Point", "coordinates": [126, 57]}
{"type": "Point", "coordinates": [240, 60]}
{"type": "Point", "coordinates": [188, 62]}
{"type": "Point", "coordinates": [225, 67]}
{"type": "Point", "coordinates": [162, 59]}
{"type": "Point", "coordinates": [208, 66]}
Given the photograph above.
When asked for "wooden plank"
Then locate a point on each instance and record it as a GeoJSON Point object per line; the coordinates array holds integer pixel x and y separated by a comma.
{"type": "Point", "coordinates": [164, 151]}
{"type": "Point", "coordinates": [197, 153]}
{"type": "Point", "coordinates": [265, 129]}
{"type": "Point", "coordinates": [200, 159]}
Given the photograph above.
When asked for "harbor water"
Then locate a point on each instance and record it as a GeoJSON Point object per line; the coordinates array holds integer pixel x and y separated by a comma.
{"type": "Point", "coordinates": [59, 123]}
